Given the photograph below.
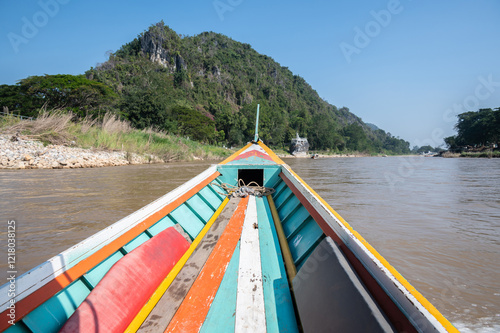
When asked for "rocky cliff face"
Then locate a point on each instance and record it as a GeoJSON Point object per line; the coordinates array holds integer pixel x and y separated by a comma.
{"type": "Point", "coordinates": [155, 44]}
{"type": "Point", "coordinates": [151, 44]}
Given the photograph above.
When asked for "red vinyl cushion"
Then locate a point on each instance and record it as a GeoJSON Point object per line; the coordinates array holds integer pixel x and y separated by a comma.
{"type": "Point", "coordinates": [119, 296]}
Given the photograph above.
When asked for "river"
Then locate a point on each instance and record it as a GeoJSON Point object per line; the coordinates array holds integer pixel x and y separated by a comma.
{"type": "Point", "coordinates": [437, 221]}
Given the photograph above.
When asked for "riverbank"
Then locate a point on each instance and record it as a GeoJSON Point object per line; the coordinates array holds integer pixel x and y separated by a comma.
{"type": "Point", "coordinates": [281, 153]}
{"type": "Point", "coordinates": [54, 141]}
{"type": "Point", "coordinates": [472, 154]}
{"type": "Point", "coordinates": [21, 153]}
{"type": "Point", "coordinates": [354, 154]}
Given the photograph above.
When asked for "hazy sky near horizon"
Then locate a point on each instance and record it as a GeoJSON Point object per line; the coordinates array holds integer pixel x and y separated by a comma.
{"type": "Point", "coordinates": [407, 66]}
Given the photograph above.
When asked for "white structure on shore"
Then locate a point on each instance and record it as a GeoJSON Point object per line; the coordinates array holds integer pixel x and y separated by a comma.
{"type": "Point", "coordinates": [299, 146]}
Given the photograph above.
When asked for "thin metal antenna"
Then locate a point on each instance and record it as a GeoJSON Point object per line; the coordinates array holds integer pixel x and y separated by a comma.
{"type": "Point", "coordinates": [256, 138]}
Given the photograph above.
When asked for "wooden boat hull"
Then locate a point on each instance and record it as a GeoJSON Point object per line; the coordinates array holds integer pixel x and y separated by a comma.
{"type": "Point", "coordinates": [269, 259]}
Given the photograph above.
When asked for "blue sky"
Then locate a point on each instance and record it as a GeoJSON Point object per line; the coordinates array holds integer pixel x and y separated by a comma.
{"type": "Point", "coordinates": [407, 66]}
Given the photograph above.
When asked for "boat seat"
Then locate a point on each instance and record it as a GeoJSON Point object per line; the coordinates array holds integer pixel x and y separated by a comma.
{"type": "Point", "coordinates": [330, 296]}
{"type": "Point", "coordinates": [128, 285]}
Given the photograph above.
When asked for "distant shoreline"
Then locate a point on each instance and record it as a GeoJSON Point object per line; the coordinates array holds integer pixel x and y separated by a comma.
{"type": "Point", "coordinates": [483, 154]}
{"type": "Point", "coordinates": [323, 155]}
{"type": "Point", "coordinates": [22, 152]}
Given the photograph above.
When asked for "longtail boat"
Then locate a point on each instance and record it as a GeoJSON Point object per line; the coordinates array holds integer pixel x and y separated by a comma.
{"type": "Point", "coordinates": [245, 246]}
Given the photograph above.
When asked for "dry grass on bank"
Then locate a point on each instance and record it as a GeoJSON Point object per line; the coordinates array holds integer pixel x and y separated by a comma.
{"type": "Point", "coordinates": [111, 133]}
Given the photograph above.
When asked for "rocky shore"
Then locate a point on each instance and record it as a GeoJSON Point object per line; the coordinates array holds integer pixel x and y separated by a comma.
{"type": "Point", "coordinates": [17, 152]}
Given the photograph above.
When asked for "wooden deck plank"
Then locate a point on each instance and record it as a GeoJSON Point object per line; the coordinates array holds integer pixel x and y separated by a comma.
{"type": "Point", "coordinates": [250, 308]}
{"type": "Point", "coordinates": [193, 310]}
{"type": "Point", "coordinates": [165, 309]}
{"type": "Point", "coordinates": [220, 317]}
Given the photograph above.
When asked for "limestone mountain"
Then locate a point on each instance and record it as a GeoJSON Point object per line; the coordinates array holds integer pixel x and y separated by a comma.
{"type": "Point", "coordinates": [207, 87]}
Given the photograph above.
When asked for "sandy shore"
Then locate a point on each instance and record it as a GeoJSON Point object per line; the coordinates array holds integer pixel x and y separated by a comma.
{"type": "Point", "coordinates": [22, 153]}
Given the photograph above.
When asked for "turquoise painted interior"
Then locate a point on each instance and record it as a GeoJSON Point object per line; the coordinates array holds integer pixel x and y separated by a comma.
{"type": "Point", "coordinates": [302, 232]}
{"type": "Point", "coordinates": [192, 215]}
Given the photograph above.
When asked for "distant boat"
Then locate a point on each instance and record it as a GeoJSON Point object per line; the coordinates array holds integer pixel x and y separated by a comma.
{"type": "Point", "coordinates": [246, 245]}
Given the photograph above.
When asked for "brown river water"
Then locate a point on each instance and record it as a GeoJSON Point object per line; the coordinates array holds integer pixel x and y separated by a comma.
{"type": "Point", "coordinates": [437, 221]}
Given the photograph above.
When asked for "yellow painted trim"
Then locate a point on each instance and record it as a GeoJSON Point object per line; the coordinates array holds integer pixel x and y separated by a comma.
{"type": "Point", "coordinates": [232, 157]}
{"type": "Point", "coordinates": [291, 270]}
{"type": "Point", "coordinates": [148, 307]}
{"type": "Point", "coordinates": [271, 153]}
{"type": "Point", "coordinates": [425, 303]}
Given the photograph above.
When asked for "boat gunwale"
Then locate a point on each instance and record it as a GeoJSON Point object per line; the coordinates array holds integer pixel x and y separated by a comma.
{"type": "Point", "coordinates": [354, 241]}
{"type": "Point", "coordinates": [31, 283]}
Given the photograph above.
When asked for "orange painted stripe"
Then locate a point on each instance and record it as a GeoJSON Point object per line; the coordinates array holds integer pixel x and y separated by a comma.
{"type": "Point", "coordinates": [232, 157]}
{"type": "Point", "coordinates": [271, 153]}
{"type": "Point", "coordinates": [194, 309]}
{"type": "Point", "coordinates": [29, 303]}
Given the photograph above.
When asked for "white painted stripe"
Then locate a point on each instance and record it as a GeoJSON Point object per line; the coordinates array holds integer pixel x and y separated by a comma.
{"type": "Point", "coordinates": [44, 273]}
{"type": "Point", "coordinates": [250, 310]}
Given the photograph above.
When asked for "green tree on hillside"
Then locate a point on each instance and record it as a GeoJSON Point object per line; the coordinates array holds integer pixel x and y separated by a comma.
{"type": "Point", "coordinates": [147, 108]}
{"type": "Point", "coordinates": [195, 125]}
{"type": "Point", "coordinates": [355, 137]}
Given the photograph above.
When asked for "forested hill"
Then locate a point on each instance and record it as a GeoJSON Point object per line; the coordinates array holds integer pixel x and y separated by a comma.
{"type": "Point", "coordinates": [207, 87]}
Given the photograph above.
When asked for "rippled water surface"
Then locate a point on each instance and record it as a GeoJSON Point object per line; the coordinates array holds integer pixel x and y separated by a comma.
{"type": "Point", "coordinates": [437, 221]}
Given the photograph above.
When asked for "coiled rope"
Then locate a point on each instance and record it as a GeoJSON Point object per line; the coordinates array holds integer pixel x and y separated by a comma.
{"type": "Point", "coordinates": [243, 190]}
